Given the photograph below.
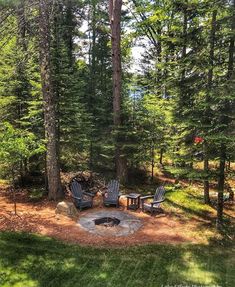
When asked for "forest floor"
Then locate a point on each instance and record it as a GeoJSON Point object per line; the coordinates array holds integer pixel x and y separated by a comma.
{"type": "Point", "coordinates": [185, 218]}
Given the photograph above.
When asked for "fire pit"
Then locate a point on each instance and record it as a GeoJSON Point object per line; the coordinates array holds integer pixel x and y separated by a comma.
{"type": "Point", "coordinates": [110, 223]}
{"type": "Point", "coordinates": [107, 221]}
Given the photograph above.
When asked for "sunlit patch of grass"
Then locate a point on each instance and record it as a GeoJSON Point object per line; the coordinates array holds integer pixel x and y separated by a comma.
{"type": "Point", "coordinates": [10, 276]}
{"type": "Point", "coordinates": [188, 204]}
{"type": "Point", "coordinates": [29, 260]}
{"type": "Point", "coordinates": [199, 274]}
{"type": "Point", "coordinates": [188, 201]}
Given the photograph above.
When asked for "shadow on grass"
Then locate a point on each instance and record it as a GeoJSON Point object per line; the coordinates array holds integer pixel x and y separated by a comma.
{"type": "Point", "coordinates": [192, 207]}
{"type": "Point", "coordinates": [167, 173]}
{"type": "Point", "coordinates": [204, 214]}
{"type": "Point", "coordinates": [29, 260]}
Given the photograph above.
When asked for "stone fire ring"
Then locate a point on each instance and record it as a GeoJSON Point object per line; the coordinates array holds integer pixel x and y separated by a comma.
{"type": "Point", "coordinates": [127, 226]}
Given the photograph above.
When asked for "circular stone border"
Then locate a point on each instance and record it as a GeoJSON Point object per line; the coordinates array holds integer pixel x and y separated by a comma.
{"type": "Point", "coordinates": [127, 226]}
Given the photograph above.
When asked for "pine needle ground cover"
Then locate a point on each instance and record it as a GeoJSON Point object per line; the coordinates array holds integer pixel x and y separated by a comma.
{"type": "Point", "coordinates": [30, 260]}
{"type": "Point", "coordinates": [186, 219]}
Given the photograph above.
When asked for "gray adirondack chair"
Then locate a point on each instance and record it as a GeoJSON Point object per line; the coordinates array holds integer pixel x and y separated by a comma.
{"type": "Point", "coordinates": [111, 196]}
{"type": "Point", "coordinates": [153, 205]}
{"type": "Point", "coordinates": [81, 198]}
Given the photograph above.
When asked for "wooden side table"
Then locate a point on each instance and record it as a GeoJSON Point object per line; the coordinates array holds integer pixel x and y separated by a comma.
{"type": "Point", "coordinates": [133, 201]}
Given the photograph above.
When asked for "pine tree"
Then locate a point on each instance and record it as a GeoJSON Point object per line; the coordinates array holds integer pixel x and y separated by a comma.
{"type": "Point", "coordinates": [49, 102]}
{"type": "Point", "coordinates": [115, 19]}
{"type": "Point", "coordinates": [225, 112]}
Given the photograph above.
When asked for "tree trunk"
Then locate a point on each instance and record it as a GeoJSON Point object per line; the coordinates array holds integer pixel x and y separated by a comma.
{"type": "Point", "coordinates": [93, 68]}
{"type": "Point", "coordinates": [220, 201]}
{"type": "Point", "coordinates": [207, 114]}
{"type": "Point", "coordinates": [161, 155]}
{"type": "Point", "coordinates": [91, 157]}
{"type": "Point", "coordinates": [13, 189]}
{"type": "Point", "coordinates": [115, 7]}
{"type": "Point", "coordinates": [21, 23]}
{"type": "Point", "coordinates": [184, 47]}
{"type": "Point", "coordinates": [115, 19]}
{"type": "Point", "coordinates": [55, 46]}
{"type": "Point", "coordinates": [183, 97]}
{"type": "Point", "coordinates": [152, 161]}
{"type": "Point", "coordinates": [228, 167]}
{"type": "Point", "coordinates": [49, 103]}
{"type": "Point", "coordinates": [206, 170]}
{"type": "Point", "coordinates": [69, 31]}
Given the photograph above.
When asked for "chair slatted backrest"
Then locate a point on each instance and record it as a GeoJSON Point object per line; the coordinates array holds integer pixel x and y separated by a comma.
{"type": "Point", "coordinates": [76, 189]}
{"type": "Point", "coordinates": [113, 190]}
{"type": "Point", "coordinates": [160, 192]}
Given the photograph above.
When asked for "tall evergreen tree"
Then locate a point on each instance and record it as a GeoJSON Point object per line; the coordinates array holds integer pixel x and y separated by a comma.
{"type": "Point", "coordinates": [115, 19]}
{"type": "Point", "coordinates": [226, 113]}
{"type": "Point", "coordinates": [49, 102]}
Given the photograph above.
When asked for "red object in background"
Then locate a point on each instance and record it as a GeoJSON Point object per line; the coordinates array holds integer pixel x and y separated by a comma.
{"type": "Point", "coordinates": [198, 140]}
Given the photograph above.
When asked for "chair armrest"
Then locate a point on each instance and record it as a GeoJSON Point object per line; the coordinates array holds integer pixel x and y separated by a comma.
{"type": "Point", "coordinates": [142, 198]}
{"type": "Point", "coordinates": [89, 194]}
{"type": "Point", "coordinates": [158, 201]}
{"type": "Point", "coordinates": [78, 198]}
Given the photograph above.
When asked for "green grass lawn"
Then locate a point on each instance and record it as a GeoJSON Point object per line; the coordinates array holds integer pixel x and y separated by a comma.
{"type": "Point", "coordinates": [30, 260]}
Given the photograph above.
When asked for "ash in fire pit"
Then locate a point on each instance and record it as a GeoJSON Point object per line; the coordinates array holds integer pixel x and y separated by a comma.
{"type": "Point", "coordinates": [107, 221]}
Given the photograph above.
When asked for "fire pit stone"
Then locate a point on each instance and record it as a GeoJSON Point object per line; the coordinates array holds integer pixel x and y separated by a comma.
{"type": "Point", "coordinates": [110, 223]}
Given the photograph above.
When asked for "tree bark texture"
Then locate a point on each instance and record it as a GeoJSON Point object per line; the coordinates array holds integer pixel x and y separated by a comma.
{"type": "Point", "coordinates": [207, 115]}
{"type": "Point", "coordinates": [49, 103]}
{"type": "Point", "coordinates": [161, 155]}
{"type": "Point", "coordinates": [221, 179]}
{"type": "Point", "coordinates": [184, 47]}
{"type": "Point", "coordinates": [115, 7]}
{"type": "Point", "coordinates": [206, 170]}
{"type": "Point", "coordinates": [115, 19]}
{"type": "Point", "coordinates": [69, 30]}
{"type": "Point", "coordinates": [152, 161]}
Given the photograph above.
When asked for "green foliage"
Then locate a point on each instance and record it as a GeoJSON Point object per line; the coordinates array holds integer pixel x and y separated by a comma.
{"type": "Point", "coordinates": [164, 107]}
{"type": "Point", "coordinates": [177, 67]}
{"type": "Point", "coordinates": [17, 146]}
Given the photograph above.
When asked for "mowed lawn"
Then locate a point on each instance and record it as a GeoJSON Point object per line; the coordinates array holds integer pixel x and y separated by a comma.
{"type": "Point", "coordinates": [29, 260]}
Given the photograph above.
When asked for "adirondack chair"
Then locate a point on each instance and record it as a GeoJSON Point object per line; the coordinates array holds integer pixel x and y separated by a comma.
{"type": "Point", "coordinates": [111, 196]}
{"type": "Point", "coordinates": [81, 198]}
{"type": "Point", "coordinates": [153, 205]}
